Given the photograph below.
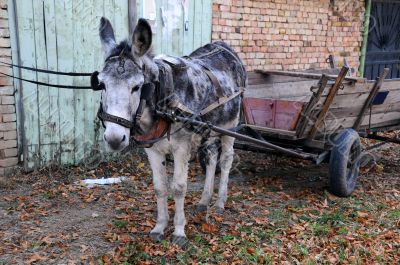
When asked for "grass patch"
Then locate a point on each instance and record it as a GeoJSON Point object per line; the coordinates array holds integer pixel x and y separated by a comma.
{"type": "Point", "coordinates": [120, 223]}
{"type": "Point", "coordinates": [395, 214]}
{"type": "Point", "coordinates": [321, 229]}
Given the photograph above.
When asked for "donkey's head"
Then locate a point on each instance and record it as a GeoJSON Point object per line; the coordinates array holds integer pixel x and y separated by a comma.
{"type": "Point", "coordinates": [127, 68]}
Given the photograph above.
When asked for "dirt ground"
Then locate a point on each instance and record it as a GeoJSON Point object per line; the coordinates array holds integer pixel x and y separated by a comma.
{"type": "Point", "coordinates": [278, 211]}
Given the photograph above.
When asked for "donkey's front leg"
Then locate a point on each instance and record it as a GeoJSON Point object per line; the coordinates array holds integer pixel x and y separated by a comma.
{"type": "Point", "coordinates": [157, 163]}
{"type": "Point", "coordinates": [226, 164]}
{"type": "Point", "coordinates": [179, 185]}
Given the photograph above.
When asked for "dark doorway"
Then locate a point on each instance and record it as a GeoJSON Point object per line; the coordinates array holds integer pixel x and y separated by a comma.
{"type": "Point", "coordinates": [383, 48]}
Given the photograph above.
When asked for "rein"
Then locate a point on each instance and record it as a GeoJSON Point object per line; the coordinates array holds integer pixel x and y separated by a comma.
{"type": "Point", "coordinates": [38, 70]}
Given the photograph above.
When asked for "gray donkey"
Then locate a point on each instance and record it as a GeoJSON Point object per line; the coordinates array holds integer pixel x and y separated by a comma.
{"type": "Point", "coordinates": [213, 73]}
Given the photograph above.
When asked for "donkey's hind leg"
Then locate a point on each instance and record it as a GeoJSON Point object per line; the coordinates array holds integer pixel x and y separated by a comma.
{"type": "Point", "coordinates": [210, 151]}
{"type": "Point", "coordinates": [157, 163]}
{"type": "Point", "coordinates": [226, 164]}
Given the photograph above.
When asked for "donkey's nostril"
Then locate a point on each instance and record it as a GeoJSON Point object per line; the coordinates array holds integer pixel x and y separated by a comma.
{"type": "Point", "coordinates": [123, 138]}
{"type": "Point", "coordinates": [105, 137]}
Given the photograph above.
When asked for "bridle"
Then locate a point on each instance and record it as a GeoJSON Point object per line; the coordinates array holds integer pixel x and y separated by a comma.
{"type": "Point", "coordinates": [147, 96]}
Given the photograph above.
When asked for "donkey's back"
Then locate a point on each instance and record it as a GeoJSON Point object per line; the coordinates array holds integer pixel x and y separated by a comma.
{"type": "Point", "coordinates": [212, 73]}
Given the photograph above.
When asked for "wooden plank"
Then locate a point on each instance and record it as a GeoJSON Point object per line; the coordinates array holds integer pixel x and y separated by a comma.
{"type": "Point", "coordinates": [53, 119]}
{"type": "Point", "coordinates": [305, 116]}
{"type": "Point", "coordinates": [328, 101]}
{"type": "Point", "coordinates": [175, 9]}
{"type": "Point", "coordinates": [371, 96]}
{"type": "Point", "coordinates": [206, 22]}
{"type": "Point", "coordinates": [65, 48]}
{"type": "Point", "coordinates": [92, 55]}
{"type": "Point", "coordinates": [308, 75]}
{"type": "Point", "coordinates": [333, 124]}
{"type": "Point", "coordinates": [108, 11]}
{"type": "Point", "coordinates": [278, 133]}
{"type": "Point", "coordinates": [80, 37]}
{"type": "Point", "coordinates": [121, 26]}
{"type": "Point", "coordinates": [29, 91]}
{"type": "Point", "coordinates": [189, 32]}
{"type": "Point", "coordinates": [197, 31]}
{"type": "Point", "coordinates": [290, 90]}
{"type": "Point", "coordinates": [255, 78]}
{"type": "Point", "coordinates": [354, 112]}
{"type": "Point", "coordinates": [132, 14]}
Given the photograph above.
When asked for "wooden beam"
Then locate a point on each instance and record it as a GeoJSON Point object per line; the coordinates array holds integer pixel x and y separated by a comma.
{"type": "Point", "coordinates": [132, 15]}
{"type": "Point", "coordinates": [308, 75]}
{"type": "Point", "coordinates": [371, 96]}
{"type": "Point", "coordinates": [305, 116]}
{"type": "Point", "coordinates": [329, 99]}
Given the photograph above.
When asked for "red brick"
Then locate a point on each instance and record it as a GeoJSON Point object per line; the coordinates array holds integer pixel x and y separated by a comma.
{"type": "Point", "coordinates": [9, 162]}
{"type": "Point", "coordinates": [12, 152]}
{"type": "Point", "coordinates": [9, 117]}
{"type": "Point", "coordinates": [5, 144]}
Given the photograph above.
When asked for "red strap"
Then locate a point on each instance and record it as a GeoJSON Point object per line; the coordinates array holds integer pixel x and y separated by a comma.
{"type": "Point", "coordinates": [159, 128]}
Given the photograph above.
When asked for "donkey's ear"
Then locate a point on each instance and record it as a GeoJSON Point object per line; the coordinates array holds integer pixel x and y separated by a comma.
{"type": "Point", "coordinates": [106, 36]}
{"type": "Point", "coordinates": [142, 37]}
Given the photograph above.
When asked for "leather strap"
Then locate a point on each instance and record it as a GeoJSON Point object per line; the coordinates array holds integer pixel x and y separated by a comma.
{"type": "Point", "coordinates": [157, 131]}
{"type": "Point", "coordinates": [214, 80]}
{"type": "Point", "coordinates": [46, 71]}
{"type": "Point", "coordinates": [220, 102]}
{"type": "Point", "coordinates": [47, 84]}
{"type": "Point", "coordinates": [104, 116]}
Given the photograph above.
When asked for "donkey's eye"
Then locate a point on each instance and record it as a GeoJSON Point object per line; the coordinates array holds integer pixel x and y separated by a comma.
{"type": "Point", "coordinates": [135, 88]}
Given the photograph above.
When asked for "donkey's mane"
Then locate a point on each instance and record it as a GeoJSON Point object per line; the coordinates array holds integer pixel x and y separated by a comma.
{"type": "Point", "coordinates": [124, 48]}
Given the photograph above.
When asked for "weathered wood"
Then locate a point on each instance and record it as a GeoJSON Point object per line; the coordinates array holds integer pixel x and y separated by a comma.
{"type": "Point", "coordinates": [206, 22]}
{"type": "Point", "coordinates": [328, 102]}
{"type": "Point", "coordinates": [331, 61]}
{"type": "Point", "coordinates": [132, 14]}
{"type": "Point", "coordinates": [189, 12]}
{"type": "Point", "coordinates": [370, 98]}
{"type": "Point", "coordinates": [282, 134]}
{"type": "Point", "coordinates": [305, 116]}
{"type": "Point", "coordinates": [308, 75]}
{"type": "Point", "coordinates": [30, 103]}
{"type": "Point", "coordinates": [53, 118]}
{"type": "Point", "coordinates": [60, 125]}
{"type": "Point", "coordinates": [45, 129]}
{"type": "Point", "coordinates": [334, 124]}
{"type": "Point", "coordinates": [65, 47]}
{"type": "Point", "coordinates": [285, 91]}
{"type": "Point", "coordinates": [255, 78]}
{"type": "Point", "coordinates": [197, 34]}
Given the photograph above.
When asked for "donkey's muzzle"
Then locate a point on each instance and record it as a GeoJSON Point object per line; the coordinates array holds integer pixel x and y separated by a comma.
{"type": "Point", "coordinates": [114, 141]}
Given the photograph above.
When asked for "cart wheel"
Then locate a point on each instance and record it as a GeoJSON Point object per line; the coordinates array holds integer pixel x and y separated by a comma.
{"type": "Point", "coordinates": [344, 164]}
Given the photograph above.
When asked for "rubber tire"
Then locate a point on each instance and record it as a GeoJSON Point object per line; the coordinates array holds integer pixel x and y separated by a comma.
{"type": "Point", "coordinates": [342, 179]}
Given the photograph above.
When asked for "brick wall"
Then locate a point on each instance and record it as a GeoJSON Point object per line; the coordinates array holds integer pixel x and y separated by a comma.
{"type": "Point", "coordinates": [8, 125]}
{"type": "Point", "coordinates": [290, 35]}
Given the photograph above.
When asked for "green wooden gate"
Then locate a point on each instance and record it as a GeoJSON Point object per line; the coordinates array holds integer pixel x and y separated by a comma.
{"type": "Point", "coordinates": [180, 26]}
{"type": "Point", "coordinates": [59, 125]}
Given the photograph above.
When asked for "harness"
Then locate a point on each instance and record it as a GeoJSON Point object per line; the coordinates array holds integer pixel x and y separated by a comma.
{"type": "Point", "coordinates": [160, 92]}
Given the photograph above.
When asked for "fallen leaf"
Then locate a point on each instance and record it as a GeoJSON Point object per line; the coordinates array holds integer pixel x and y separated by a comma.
{"type": "Point", "coordinates": [209, 228]}
{"type": "Point", "coordinates": [251, 251]}
{"type": "Point", "coordinates": [35, 257]}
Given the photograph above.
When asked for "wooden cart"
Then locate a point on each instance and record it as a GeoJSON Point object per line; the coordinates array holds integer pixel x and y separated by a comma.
{"type": "Point", "coordinates": [320, 116]}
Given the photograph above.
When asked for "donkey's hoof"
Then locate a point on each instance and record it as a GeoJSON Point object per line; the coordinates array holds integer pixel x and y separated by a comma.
{"type": "Point", "coordinates": [219, 210]}
{"type": "Point", "coordinates": [180, 241]}
{"type": "Point", "coordinates": [156, 237]}
{"type": "Point", "coordinates": [201, 208]}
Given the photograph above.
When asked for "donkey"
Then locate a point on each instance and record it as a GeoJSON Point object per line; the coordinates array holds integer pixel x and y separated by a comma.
{"type": "Point", "coordinates": [128, 70]}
